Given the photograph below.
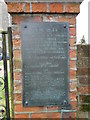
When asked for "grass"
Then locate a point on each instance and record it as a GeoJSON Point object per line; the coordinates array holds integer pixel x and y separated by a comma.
{"type": "Point", "coordinates": [2, 92]}
{"type": "Point", "coordinates": [1, 63]}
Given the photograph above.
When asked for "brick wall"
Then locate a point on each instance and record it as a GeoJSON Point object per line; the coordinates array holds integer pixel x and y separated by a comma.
{"type": "Point", "coordinates": [83, 77]}
{"type": "Point", "coordinates": [44, 12]}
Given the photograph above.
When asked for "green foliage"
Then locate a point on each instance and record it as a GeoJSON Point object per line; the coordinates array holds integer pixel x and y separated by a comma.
{"type": "Point", "coordinates": [85, 107]}
{"type": "Point", "coordinates": [86, 99]}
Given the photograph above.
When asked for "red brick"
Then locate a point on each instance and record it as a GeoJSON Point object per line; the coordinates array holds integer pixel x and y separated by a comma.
{"type": "Point", "coordinates": [72, 64]}
{"type": "Point", "coordinates": [16, 64]}
{"type": "Point", "coordinates": [18, 87]}
{"type": "Point", "coordinates": [36, 19]}
{"type": "Point", "coordinates": [68, 116]}
{"type": "Point", "coordinates": [72, 8]}
{"type": "Point", "coordinates": [20, 108]}
{"type": "Point", "coordinates": [72, 96]}
{"type": "Point", "coordinates": [85, 80]}
{"type": "Point", "coordinates": [46, 115]}
{"type": "Point", "coordinates": [72, 42]}
{"type": "Point", "coordinates": [21, 116]}
{"type": "Point", "coordinates": [73, 86]}
{"type": "Point", "coordinates": [83, 71]}
{"type": "Point", "coordinates": [56, 8]}
{"type": "Point", "coordinates": [17, 75]}
{"type": "Point", "coordinates": [72, 31]}
{"type": "Point", "coordinates": [27, 8]}
{"type": "Point", "coordinates": [72, 74]}
{"type": "Point", "coordinates": [70, 19]}
{"type": "Point", "coordinates": [17, 19]}
{"type": "Point", "coordinates": [18, 97]}
{"type": "Point", "coordinates": [84, 90]}
{"type": "Point", "coordinates": [17, 54]}
{"type": "Point", "coordinates": [17, 43]}
{"type": "Point", "coordinates": [72, 53]}
{"type": "Point", "coordinates": [16, 29]}
{"type": "Point", "coordinates": [54, 108]}
{"type": "Point", "coordinates": [74, 105]}
{"type": "Point", "coordinates": [39, 7]}
{"type": "Point", "coordinates": [15, 7]}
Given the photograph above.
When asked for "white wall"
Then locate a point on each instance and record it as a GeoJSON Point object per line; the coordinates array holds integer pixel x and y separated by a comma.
{"type": "Point", "coordinates": [4, 17]}
{"type": "Point", "coordinates": [82, 22]}
{"type": "Point", "coordinates": [89, 22]}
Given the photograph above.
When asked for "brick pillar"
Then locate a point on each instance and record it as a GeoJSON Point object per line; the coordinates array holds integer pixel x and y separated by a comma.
{"type": "Point", "coordinates": [43, 12]}
{"type": "Point", "coordinates": [83, 77]}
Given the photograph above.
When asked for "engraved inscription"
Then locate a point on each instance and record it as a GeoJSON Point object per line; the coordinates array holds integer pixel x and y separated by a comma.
{"type": "Point", "coordinates": [45, 63]}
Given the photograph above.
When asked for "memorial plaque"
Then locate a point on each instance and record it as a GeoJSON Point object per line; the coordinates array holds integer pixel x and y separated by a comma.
{"type": "Point", "coordinates": [45, 63]}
